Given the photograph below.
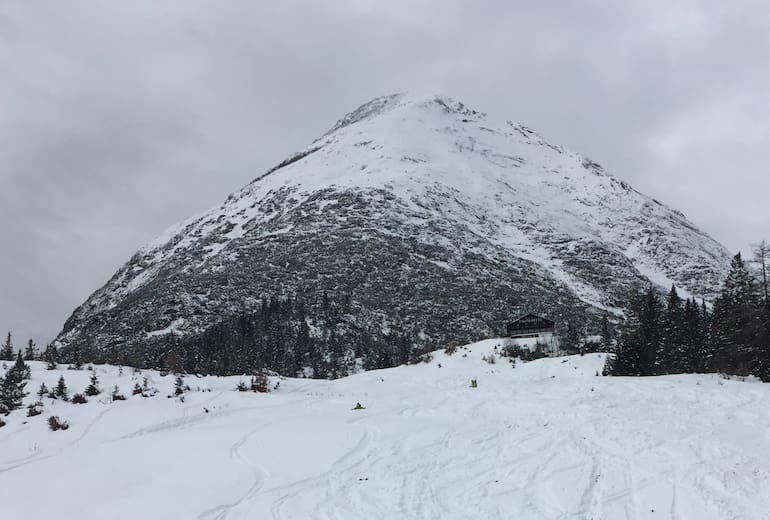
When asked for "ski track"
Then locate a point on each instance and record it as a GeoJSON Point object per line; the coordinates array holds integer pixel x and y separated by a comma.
{"type": "Point", "coordinates": [259, 474]}
{"type": "Point", "coordinates": [31, 459]}
{"type": "Point", "coordinates": [352, 459]}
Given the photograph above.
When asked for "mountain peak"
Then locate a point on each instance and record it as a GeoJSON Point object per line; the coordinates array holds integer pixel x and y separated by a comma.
{"type": "Point", "coordinates": [404, 101]}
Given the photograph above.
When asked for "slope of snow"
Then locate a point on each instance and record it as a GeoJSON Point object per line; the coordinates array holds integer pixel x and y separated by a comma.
{"type": "Point", "coordinates": [542, 440]}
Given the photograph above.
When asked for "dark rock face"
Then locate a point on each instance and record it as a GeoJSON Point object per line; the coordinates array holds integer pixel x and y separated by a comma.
{"type": "Point", "coordinates": [417, 216]}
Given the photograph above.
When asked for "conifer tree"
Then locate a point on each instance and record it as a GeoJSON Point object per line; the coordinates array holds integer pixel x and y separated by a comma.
{"type": "Point", "coordinates": [572, 339]}
{"type": "Point", "coordinates": [6, 352]}
{"type": "Point", "coordinates": [734, 325]}
{"type": "Point", "coordinates": [20, 368]}
{"type": "Point", "coordinates": [51, 356]}
{"type": "Point", "coordinates": [693, 344]}
{"type": "Point", "coordinates": [606, 334]}
{"type": "Point", "coordinates": [179, 386]}
{"type": "Point", "coordinates": [671, 356]}
{"type": "Point", "coordinates": [12, 388]}
{"type": "Point", "coordinates": [640, 338]}
{"type": "Point", "coordinates": [762, 344]}
{"type": "Point", "coordinates": [43, 391]}
{"type": "Point", "coordinates": [705, 334]}
{"type": "Point", "coordinates": [61, 389]}
{"type": "Point", "coordinates": [649, 332]}
{"type": "Point", "coordinates": [762, 259]}
{"type": "Point", "coordinates": [29, 351]}
{"type": "Point", "coordinates": [93, 387]}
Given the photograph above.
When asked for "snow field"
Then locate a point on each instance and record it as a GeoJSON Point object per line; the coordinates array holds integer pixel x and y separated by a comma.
{"type": "Point", "coordinates": [544, 440]}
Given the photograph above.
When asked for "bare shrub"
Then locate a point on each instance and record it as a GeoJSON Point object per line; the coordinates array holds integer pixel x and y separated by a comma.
{"type": "Point", "coordinates": [259, 382]}
{"type": "Point", "coordinates": [34, 409]}
{"type": "Point", "coordinates": [55, 424]}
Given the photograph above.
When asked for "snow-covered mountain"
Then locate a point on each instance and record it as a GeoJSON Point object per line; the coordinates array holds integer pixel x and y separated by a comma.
{"type": "Point", "coordinates": [538, 441]}
{"type": "Point", "coordinates": [426, 216]}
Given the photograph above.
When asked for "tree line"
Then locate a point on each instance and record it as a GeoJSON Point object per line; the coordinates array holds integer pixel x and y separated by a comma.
{"type": "Point", "coordinates": [282, 335]}
{"type": "Point", "coordinates": [674, 336]}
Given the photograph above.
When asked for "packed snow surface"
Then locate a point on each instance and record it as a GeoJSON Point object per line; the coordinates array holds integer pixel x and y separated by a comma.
{"type": "Point", "coordinates": [542, 440]}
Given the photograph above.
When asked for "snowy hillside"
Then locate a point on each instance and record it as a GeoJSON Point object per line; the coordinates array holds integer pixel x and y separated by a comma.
{"type": "Point", "coordinates": [541, 440]}
{"type": "Point", "coordinates": [428, 216]}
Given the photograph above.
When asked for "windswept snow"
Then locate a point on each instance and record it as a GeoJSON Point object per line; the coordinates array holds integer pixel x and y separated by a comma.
{"type": "Point", "coordinates": [544, 440]}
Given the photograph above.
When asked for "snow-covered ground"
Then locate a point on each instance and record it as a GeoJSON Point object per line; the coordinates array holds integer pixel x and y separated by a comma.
{"type": "Point", "coordinates": [544, 440]}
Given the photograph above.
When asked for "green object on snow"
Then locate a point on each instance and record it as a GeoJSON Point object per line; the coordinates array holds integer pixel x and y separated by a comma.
{"type": "Point", "coordinates": [474, 384]}
{"type": "Point", "coordinates": [359, 407]}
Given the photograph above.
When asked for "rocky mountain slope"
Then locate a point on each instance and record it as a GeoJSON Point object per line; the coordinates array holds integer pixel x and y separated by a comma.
{"type": "Point", "coordinates": [413, 214]}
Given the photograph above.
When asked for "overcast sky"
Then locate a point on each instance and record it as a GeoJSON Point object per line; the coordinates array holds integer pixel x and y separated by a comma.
{"type": "Point", "coordinates": [118, 119]}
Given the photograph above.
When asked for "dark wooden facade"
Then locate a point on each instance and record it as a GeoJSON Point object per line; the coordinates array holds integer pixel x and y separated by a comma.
{"type": "Point", "coordinates": [529, 325]}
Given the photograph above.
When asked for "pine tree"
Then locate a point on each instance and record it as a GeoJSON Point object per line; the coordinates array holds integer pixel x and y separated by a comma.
{"type": "Point", "coordinates": [29, 352]}
{"type": "Point", "coordinates": [61, 389]}
{"type": "Point", "coordinates": [20, 368]}
{"type": "Point", "coordinates": [93, 388]}
{"type": "Point", "coordinates": [733, 321]}
{"type": "Point", "coordinates": [762, 259]}
{"type": "Point", "coordinates": [762, 345]}
{"type": "Point", "coordinates": [572, 339]}
{"type": "Point", "coordinates": [606, 334]}
{"type": "Point", "coordinates": [6, 352]}
{"type": "Point", "coordinates": [179, 386]}
{"type": "Point", "coordinates": [693, 344]}
{"type": "Point", "coordinates": [640, 338]}
{"type": "Point", "coordinates": [672, 356]}
{"type": "Point", "coordinates": [11, 392]}
{"type": "Point", "coordinates": [649, 333]}
{"type": "Point", "coordinates": [51, 356]}
{"type": "Point", "coordinates": [12, 388]}
{"type": "Point", "coordinates": [707, 347]}
{"type": "Point", "coordinates": [626, 360]}
{"type": "Point", "coordinates": [43, 391]}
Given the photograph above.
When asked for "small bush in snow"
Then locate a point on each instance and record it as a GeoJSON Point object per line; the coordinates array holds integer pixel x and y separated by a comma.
{"type": "Point", "coordinates": [55, 424]}
{"type": "Point", "coordinates": [259, 382]}
{"type": "Point", "coordinates": [241, 387]}
{"type": "Point", "coordinates": [79, 399]}
{"type": "Point", "coordinates": [116, 395]}
{"type": "Point", "coordinates": [451, 348]}
{"type": "Point", "coordinates": [490, 359]}
{"type": "Point", "coordinates": [4, 409]}
{"type": "Point", "coordinates": [179, 386]}
{"type": "Point", "coordinates": [34, 409]}
{"type": "Point", "coordinates": [137, 390]}
{"type": "Point", "coordinates": [146, 389]}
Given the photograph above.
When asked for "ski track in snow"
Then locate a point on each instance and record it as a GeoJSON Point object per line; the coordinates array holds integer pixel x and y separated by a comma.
{"type": "Point", "coordinates": [221, 511]}
{"type": "Point", "coordinates": [543, 440]}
